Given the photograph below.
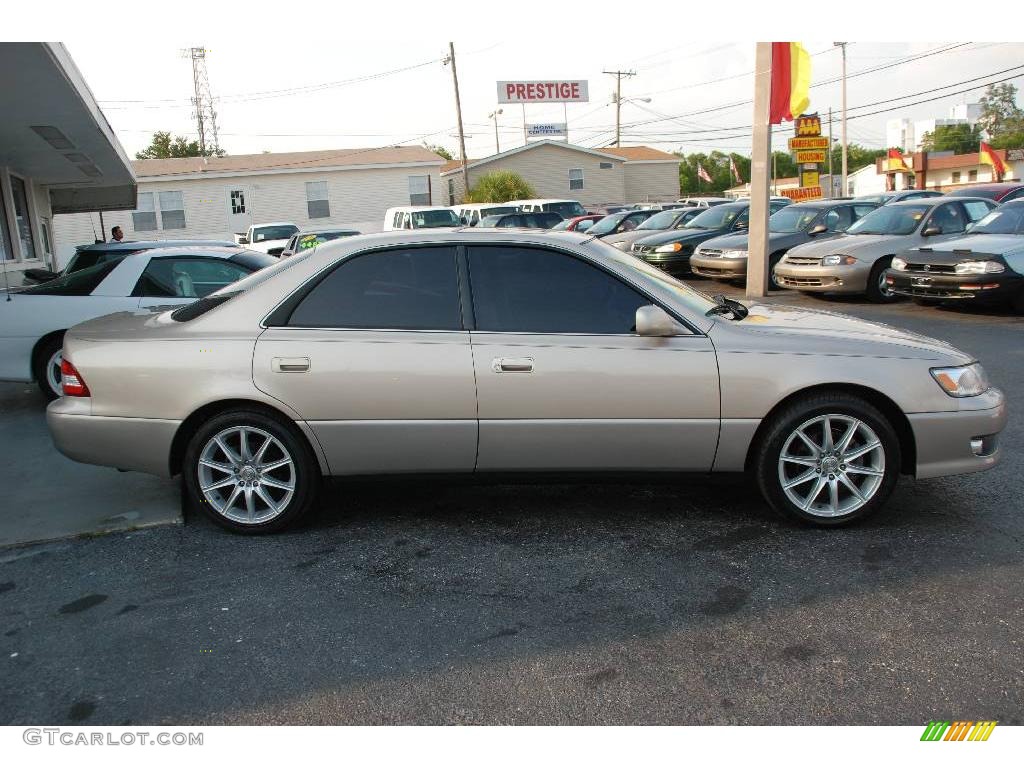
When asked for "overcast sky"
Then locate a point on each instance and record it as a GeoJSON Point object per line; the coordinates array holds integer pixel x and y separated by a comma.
{"type": "Point", "coordinates": [259, 109]}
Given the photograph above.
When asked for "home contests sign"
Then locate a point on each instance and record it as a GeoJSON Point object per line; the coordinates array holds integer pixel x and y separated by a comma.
{"type": "Point", "coordinates": [546, 129]}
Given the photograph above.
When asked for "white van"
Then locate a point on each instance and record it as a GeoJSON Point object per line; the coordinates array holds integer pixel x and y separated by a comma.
{"type": "Point", "coordinates": [567, 209]}
{"type": "Point", "coordinates": [471, 213]}
{"type": "Point", "coordinates": [419, 217]}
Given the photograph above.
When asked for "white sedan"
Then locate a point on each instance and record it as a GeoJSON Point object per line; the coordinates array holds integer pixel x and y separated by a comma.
{"type": "Point", "coordinates": [33, 320]}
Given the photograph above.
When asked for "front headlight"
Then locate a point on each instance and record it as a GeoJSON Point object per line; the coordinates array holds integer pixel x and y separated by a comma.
{"type": "Point", "coordinates": [978, 267]}
{"type": "Point", "coordinates": [734, 254]}
{"type": "Point", "coordinates": [963, 380]}
{"type": "Point", "coordinates": [669, 248]}
{"type": "Point", "coordinates": [899, 264]}
{"type": "Point", "coordinates": [834, 260]}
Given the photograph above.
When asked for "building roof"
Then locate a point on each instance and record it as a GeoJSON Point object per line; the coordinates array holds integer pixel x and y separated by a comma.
{"type": "Point", "coordinates": [625, 154]}
{"type": "Point", "coordinates": [284, 161]}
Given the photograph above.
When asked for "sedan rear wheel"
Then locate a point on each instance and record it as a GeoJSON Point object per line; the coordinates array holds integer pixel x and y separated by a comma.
{"type": "Point", "coordinates": [878, 290]}
{"type": "Point", "coordinates": [250, 472]}
{"type": "Point", "coordinates": [829, 460]}
{"type": "Point", "coordinates": [46, 366]}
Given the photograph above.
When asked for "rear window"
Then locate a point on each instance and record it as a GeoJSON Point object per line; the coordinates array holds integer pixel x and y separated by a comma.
{"type": "Point", "coordinates": [201, 307]}
{"type": "Point", "coordinates": [253, 260]}
{"type": "Point", "coordinates": [80, 283]}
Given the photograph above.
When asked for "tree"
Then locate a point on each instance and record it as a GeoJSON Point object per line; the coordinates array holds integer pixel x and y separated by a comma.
{"type": "Point", "coordinates": [999, 111]}
{"type": "Point", "coordinates": [163, 146]}
{"type": "Point", "coordinates": [437, 149]}
{"type": "Point", "coordinates": [856, 157]}
{"type": "Point", "coordinates": [500, 187]}
{"type": "Point", "coordinates": [958, 139]}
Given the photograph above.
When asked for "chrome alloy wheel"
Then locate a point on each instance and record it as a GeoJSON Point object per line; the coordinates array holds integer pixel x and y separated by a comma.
{"type": "Point", "coordinates": [247, 475]}
{"type": "Point", "coordinates": [53, 374]}
{"type": "Point", "coordinates": [883, 287]}
{"type": "Point", "coordinates": [831, 465]}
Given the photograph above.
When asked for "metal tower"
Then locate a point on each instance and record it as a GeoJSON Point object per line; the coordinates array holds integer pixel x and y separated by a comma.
{"type": "Point", "coordinates": [202, 102]}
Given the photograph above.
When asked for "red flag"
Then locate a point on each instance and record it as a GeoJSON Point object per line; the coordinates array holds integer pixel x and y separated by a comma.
{"type": "Point", "coordinates": [702, 174]}
{"type": "Point", "coordinates": [987, 156]}
{"type": "Point", "coordinates": [782, 84]}
{"type": "Point", "coordinates": [735, 171]}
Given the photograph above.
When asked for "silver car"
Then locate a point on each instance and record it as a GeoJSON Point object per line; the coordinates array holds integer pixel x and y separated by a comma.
{"type": "Point", "coordinates": [515, 352]}
{"type": "Point", "coordinates": [857, 262]}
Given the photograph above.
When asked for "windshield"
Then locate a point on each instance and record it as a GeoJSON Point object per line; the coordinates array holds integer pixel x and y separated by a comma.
{"type": "Point", "coordinates": [439, 218]}
{"type": "Point", "coordinates": [566, 209]}
{"type": "Point", "coordinates": [498, 210]}
{"type": "Point", "coordinates": [283, 232]}
{"type": "Point", "coordinates": [890, 220]}
{"type": "Point", "coordinates": [792, 219]}
{"type": "Point", "coordinates": [1008, 220]}
{"type": "Point", "coordinates": [719, 217]}
{"type": "Point", "coordinates": [314, 239]}
{"type": "Point", "coordinates": [663, 220]}
{"type": "Point", "coordinates": [607, 224]}
{"type": "Point", "coordinates": [561, 226]}
{"type": "Point", "coordinates": [82, 282]}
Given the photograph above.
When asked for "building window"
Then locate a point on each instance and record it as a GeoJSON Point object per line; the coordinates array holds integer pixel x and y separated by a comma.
{"type": "Point", "coordinates": [144, 215]}
{"type": "Point", "coordinates": [172, 210]}
{"type": "Point", "coordinates": [22, 220]}
{"type": "Point", "coordinates": [956, 177]}
{"type": "Point", "coordinates": [317, 204]}
{"type": "Point", "coordinates": [575, 178]}
{"type": "Point", "coordinates": [419, 190]}
{"type": "Point", "coordinates": [6, 251]}
{"type": "Point", "coordinates": [237, 201]}
{"type": "Point", "coordinates": [972, 175]}
{"type": "Point", "coordinates": [44, 230]}
{"type": "Point", "coordinates": [451, 191]}
{"type": "Point", "coordinates": [605, 166]}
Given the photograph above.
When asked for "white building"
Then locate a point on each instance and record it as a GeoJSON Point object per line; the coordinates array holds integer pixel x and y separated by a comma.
{"type": "Point", "coordinates": [217, 197]}
{"type": "Point", "coordinates": [58, 154]}
{"type": "Point", "coordinates": [909, 134]}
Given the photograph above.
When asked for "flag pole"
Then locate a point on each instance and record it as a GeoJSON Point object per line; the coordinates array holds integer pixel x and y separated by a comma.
{"type": "Point", "coordinates": [760, 172]}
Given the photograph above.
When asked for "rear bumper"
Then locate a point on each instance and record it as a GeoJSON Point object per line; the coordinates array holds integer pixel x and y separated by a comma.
{"type": "Point", "coordinates": [143, 445]}
{"type": "Point", "coordinates": [839, 279]}
{"type": "Point", "coordinates": [944, 440]}
{"type": "Point", "coordinates": [990, 288]}
{"type": "Point", "coordinates": [721, 269]}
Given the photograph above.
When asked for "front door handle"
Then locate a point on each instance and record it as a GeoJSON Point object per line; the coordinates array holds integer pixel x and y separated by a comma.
{"type": "Point", "coordinates": [290, 364]}
{"type": "Point", "coordinates": [512, 365]}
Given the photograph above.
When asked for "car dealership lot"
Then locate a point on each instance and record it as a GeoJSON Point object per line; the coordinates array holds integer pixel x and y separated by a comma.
{"type": "Point", "coordinates": [618, 602]}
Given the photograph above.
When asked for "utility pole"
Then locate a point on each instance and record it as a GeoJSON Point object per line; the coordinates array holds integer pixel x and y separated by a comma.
{"type": "Point", "coordinates": [842, 130]}
{"type": "Point", "coordinates": [458, 112]}
{"type": "Point", "coordinates": [202, 100]}
{"type": "Point", "coordinates": [757, 260]}
{"type": "Point", "coordinates": [831, 178]}
{"type": "Point", "coordinates": [619, 74]}
{"type": "Point", "coordinates": [497, 144]}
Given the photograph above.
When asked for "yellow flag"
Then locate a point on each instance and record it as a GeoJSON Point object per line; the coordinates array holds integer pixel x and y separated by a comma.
{"type": "Point", "coordinates": [800, 79]}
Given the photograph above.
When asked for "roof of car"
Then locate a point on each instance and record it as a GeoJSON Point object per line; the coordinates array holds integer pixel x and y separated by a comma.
{"type": "Point", "coordinates": [321, 230]}
{"type": "Point", "coordinates": [140, 245]}
{"type": "Point", "coordinates": [933, 200]}
{"type": "Point", "coordinates": [216, 252]}
{"type": "Point", "coordinates": [275, 224]}
{"type": "Point", "coordinates": [990, 187]}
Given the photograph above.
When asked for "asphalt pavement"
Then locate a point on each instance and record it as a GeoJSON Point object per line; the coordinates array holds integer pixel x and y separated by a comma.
{"type": "Point", "coordinates": [598, 603]}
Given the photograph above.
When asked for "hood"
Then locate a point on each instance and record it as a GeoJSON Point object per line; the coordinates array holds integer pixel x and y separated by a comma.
{"type": "Point", "coordinates": [265, 245]}
{"type": "Point", "coordinates": [684, 235]}
{"type": "Point", "coordinates": [984, 244]}
{"type": "Point", "coordinates": [842, 333]}
{"type": "Point", "coordinates": [632, 236]}
{"type": "Point", "coordinates": [867, 247]}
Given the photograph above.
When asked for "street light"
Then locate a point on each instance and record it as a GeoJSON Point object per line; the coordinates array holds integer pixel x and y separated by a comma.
{"type": "Point", "coordinates": [494, 116]}
{"type": "Point", "coordinates": [617, 100]}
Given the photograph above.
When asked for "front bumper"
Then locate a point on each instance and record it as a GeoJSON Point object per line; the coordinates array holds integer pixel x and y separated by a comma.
{"type": "Point", "coordinates": [143, 445]}
{"type": "Point", "coordinates": [838, 279]}
{"type": "Point", "coordinates": [959, 442]}
{"type": "Point", "coordinates": [719, 268]}
{"type": "Point", "coordinates": [988, 288]}
{"type": "Point", "coordinates": [673, 263]}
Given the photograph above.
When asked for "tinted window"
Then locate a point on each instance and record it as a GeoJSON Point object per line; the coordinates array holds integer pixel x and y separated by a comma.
{"type": "Point", "coordinates": [434, 218]}
{"type": "Point", "coordinates": [413, 289]}
{"type": "Point", "coordinates": [565, 209]}
{"type": "Point", "coordinates": [80, 283]}
{"type": "Point", "coordinates": [977, 209]}
{"type": "Point", "coordinates": [663, 220]}
{"type": "Point", "coordinates": [949, 219]}
{"type": "Point", "coordinates": [891, 220]}
{"type": "Point", "coordinates": [720, 217]}
{"type": "Point", "coordinates": [187, 278]}
{"type": "Point", "coordinates": [1006, 220]}
{"type": "Point", "coordinates": [540, 291]}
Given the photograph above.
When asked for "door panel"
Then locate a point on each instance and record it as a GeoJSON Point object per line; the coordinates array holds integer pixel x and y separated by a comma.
{"type": "Point", "coordinates": [597, 402]}
{"type": "Point", "coordinates": [378, 401]}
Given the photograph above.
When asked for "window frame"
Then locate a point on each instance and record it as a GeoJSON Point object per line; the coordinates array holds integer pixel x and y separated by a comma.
{"type": "Point", "coordinates": [429, 191]}
{"type": "Point", "coordinates": [325, 199]}
{"type": "Point", "coordinates": [241, 202]}
{"type": "Point", "coordinates": [160, 207]}
{"type": "Point", "coordinates": [135, 211]}
{"type": "Point", "coordinates": [582, 179]}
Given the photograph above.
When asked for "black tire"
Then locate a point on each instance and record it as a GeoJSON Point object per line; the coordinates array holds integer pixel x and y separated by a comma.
{"type": "Point", "coordinates": [773, 261]}
{"type": "Point", "coordinates": [767, 459]}
{"type": "Point", "coordinates": [874, 290]}
{"type": "Point", "coordinates": [40, 362]}
{"type": "Point", "coordinates": [1017, 304]}
{"type": "Point", "coordinates": [306, 478]}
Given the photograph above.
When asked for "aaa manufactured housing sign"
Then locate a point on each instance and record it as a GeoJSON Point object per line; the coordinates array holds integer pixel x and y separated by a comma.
{"type": "Point", "coordinates": [541, 91]}
{"type": "Point", "coordinates": [808, 142]}
{"type": "Point", "coordinates": [810, 156]}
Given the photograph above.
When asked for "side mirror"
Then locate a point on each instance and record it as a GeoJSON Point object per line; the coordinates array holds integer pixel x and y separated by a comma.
{"type": "Point", "coordinates": [655, 321]}
{"type": "Point", "coordinates": [817, 229]}
{"type": "Point", "coordinates": [243, 241]}
{"type": "Point", "coordinates": [930, 231]}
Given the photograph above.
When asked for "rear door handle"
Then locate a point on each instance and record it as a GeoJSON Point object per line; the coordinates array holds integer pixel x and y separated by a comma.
{"type": "Point", "coordinates": [290, 364]}
{"type": "Point", "coordinates": [512, 365]}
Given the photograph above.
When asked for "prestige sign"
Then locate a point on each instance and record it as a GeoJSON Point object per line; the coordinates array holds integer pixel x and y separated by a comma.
{"type": "Point", "coordinates": [541, 91]}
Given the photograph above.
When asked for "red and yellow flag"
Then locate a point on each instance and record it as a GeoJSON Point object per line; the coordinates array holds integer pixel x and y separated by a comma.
{"type": "Point", "coordinates": [791, 81]}
{"type": "Point", "coordinates": [894, 161]}
{"type": "Point", "coordinates": [988, 156]}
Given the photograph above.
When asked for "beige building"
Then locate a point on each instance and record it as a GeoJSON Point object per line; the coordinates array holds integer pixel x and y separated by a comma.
{"type": "Point", "coordinates": [565, 171]}
{"type": "Point", "coordinates": [218, 197]}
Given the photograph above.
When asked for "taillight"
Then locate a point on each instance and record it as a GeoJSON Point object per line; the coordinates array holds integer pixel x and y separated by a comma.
{"type": "Point", "coordinates": [71, 381]}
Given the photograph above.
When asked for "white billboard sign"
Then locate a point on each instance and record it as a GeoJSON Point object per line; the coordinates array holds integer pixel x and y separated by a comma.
{"type": "Point", "coordinates": [545, 129]}
{"type": "Point", "coordinates": [541, 91]}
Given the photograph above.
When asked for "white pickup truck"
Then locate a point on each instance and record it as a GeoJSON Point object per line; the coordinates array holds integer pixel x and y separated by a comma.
{"type": "Point", "coordinates": [269, 238]}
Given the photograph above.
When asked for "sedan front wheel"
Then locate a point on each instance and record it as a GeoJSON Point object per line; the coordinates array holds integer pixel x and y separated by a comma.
{"type": "Point", "coordinates": [829, 460]}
